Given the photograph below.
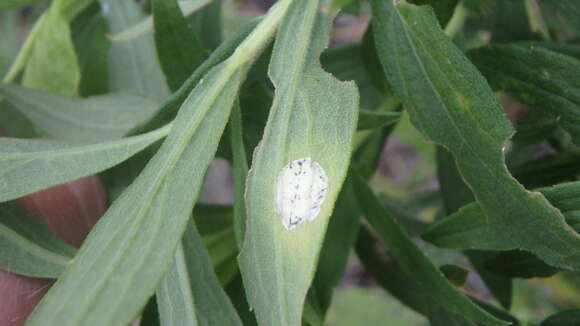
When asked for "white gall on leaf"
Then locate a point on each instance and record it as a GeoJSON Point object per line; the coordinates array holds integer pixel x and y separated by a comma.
{"type": "Point", "coordinates": [300, 190]}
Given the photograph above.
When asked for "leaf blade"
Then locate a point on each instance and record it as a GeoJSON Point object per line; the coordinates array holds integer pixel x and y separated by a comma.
{"type": "Point", "coordinates": [450, 102]}
{"type": "Point", "coordinates": [131, 247]}
{"type": "Point", "coordinates": [102, 117]}
{"type": "Point", "coordinates": [32, 165]}
{"type": "Point", "coordinates": [27, 247]}
{"type": "Point", "coordinates": [413, 261]}
{"type": "Point", "coordinates": [306, 96]}
{"type": "Point", "coordinates": [190, 293]}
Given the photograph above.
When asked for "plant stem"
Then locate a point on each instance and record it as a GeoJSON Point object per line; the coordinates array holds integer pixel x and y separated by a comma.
{"type": "Point", "coordinates": [457, 21]}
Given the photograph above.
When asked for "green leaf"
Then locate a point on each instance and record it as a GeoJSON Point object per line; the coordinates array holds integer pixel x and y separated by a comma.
{"type": "Point", "coordinates": [27, 166]}
{"type": "Point", "coordinates": [455, 194]}
{"type": "Point", "coordinates": [338, 244]}
{"type": "Point", "coordinates": [452, 105]}
{"type": "Point", "coordinates": [389, 274]}
{"type": "Point", "coordinates": [207, 24]}
{"type": "Point", "coordinates": [133, 65]}
{"type": "Point", "coordinates": [59, 10]}
{"type": "Point", "coordinates": [568, 12]}
{"type": "Point", "coordinates": [101, 117]}
{"type": "Point", "coordinates": [564, 318]}
{"type": "Point", "coordinates": [374, 119]}
{"type": "Point", "coordinates": [369, 306]}
{"type": "Point", "coordinates": [413, 261]}
{"type": "Point", "coordinates": [223, 250]}
{"type": "Point", "coordinates": [548, 170]}
{"type": "Point", "coordinates": [509, 21]}
{"type": "Point", "coordinates": [190, 293]}
{"type": "Point", "coordinates": [552, 86]}
{"type": "Point", "coordinates": [235, 291]}
{"type": "Point", "coordinates": [368, 153]}
{"type": "Point", "coordinates": [442, 317]}
{"type": "Point", "coordinates": [169, 108]}
{"type": "Point", "coordinates": [27, 247]}
{"type": "Point", "coordinates": [522, 264]}
{"type": "Point", "coordinates": [92, 47]}
{"type": "Point", "coordinates": [313, 116]}
{"type": "Point", "coordinates": [9, 4]}
{"type": "Point", "coordinates": [569, 49]}
{"type": "Point", "coordinates": [52, 63]}
{"type": "Point", "coordinates": [179, 51]}
{"type": "Point", "coordinates": [499, 285]}
{"type": "Point", "coordinates": [240, 165]}
{"type": "Point", "coordinates": [125, 256]}
{"type": "Point", "coordinates": [350, 62]}
{"type": "Point", "coordinates": [145, 26]}
{"type": "Point", "coordinates": [443, 8]}
{"type": "Point", "coordinates": [455, 274]}
{"type": "Point", "coordinates": [469, 228]}
{"type": "Point", "coordinates": [120, 177]}
{"type": "Point", "coordinates": [534, 128]}
{"type": "Point", "coordinates": [212, 218]}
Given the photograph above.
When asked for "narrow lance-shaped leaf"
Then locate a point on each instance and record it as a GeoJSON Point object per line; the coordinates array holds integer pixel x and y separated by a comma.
{"type": "Point", "coordinates": [133, 65]}
{"type": "Point", "coordinates": [190, 293]}
{"type": "Point", "coordinates": [564, 318]}
{"type": "Point", "coordinates": [413, 261]}
{"type": "Point", "coordinates": [27, 166]}
{"type": "Point", "coordinates": [372, 119]}
{"type": "Point", "coordinates": [125, 256]}
{"type": "Point", "coordinates": [44, 34]}
{"type": "Point", "coordinates": [451, 104]}
{"type": "Point", "coordinates": [27, 247]}
{"type": "Point", "coordinates": [456, 194]}
{"type": "Point", "coordinates": [169, 108]}
{"type": "Point", "coordinates": [92, 46]}
{"type": "Point", "coordinates": [338, 244]}
{"type": "Point", "coordinates": [121, 176]}
{"type": "Point", "coordinates": [207, 24]}
{"type": "Point", "coordinates": [8, 4]}
{"type": "Point", "coordinates": [240, 163]}
{"type": "Point", "coordinates": [469, 228]}
{"type": "Point", "coordinates": [52, 64]}
{"type": "Point", "coordinates": [297, 170]}
{"type": "Point", "coordinates": [146, 26]}
{"type": "Point", "coordinates": [553, 85]}
{"type": "Point", "coordinates": [179, 51]}
{"type": "Point", "coordinates": [567, 13]}
{"type": "Point", "coordinates": [101, 117]}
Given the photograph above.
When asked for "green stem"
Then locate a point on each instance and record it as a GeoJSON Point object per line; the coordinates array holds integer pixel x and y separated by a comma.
{"type": "Point", "coordinates": [457, 21]}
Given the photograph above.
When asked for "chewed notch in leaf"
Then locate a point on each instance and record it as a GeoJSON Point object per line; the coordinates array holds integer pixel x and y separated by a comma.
{"type": "Point", "coordinates": [301, 188]}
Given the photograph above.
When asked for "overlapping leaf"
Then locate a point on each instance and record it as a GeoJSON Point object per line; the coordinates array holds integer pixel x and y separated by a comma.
{"type": "Point", "coordinates": [553, 85]}
{"type": "Point", "coordinates": [564, 318]}
{"type": "Point", "coordinates": [313, 115]}
{"type": "Point", "coordinates": [133, 65]}
{"type": "Point", "coordinates": [27, 247]}
{"type": "Point", "coordinates": [190, 293]}
{"type": "Point", "coordinates": [414, 262]}
{"type": "Point", "coordinates": [338, 244]}
{"type": "Point", "coordinates": [48, 56]}
{"type": "Point", "coordinates": [469, 227]}
{"type": "Point", "coordinates": [8, 4]}
{"type": "Point", "coordinates": [125, 256]}
{"type": "Point", "coordinates": [179, 51]}
{"type": "Point", "coordinates": [145, 26]}
{"type": "Point", "coordinates": [101, 117]}
{"type": "Point", "coordinates": [27, 166]}
{"type": "Point", "coordinates": [451, 104]}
